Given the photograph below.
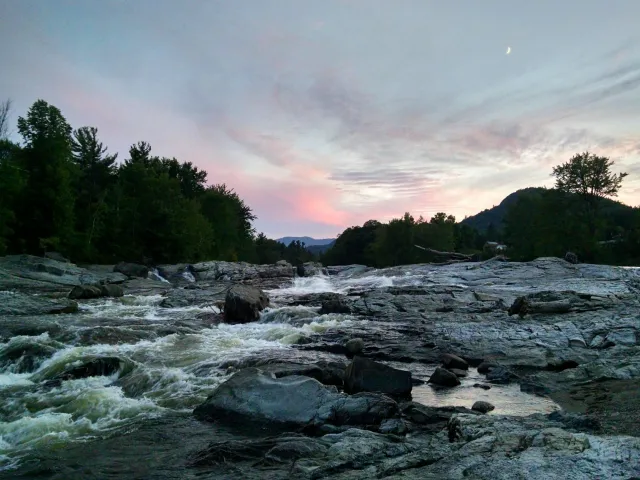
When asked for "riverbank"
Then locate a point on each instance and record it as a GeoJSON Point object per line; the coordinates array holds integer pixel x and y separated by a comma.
{"type": "Point", "coordinates": [121, 376]}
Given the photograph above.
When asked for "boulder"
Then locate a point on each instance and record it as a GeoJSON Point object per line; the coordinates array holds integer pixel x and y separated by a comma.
{"type": "Point", "coordinates": [85, 292]}
{"type": "Point", "coordinates": [484, 367]}
{"type": "Point", "coordinates": [244, 303]}
{"type": "Point", "coordinates": [103, 366]}
{"type": "Point", "coordinates": [482, 407]}
{"type": "Point", "coordinates": [310, 269]}
{"type": "Point", "coordinates": [132, 270]}
{"type": "Point", "coordinates": [457, 372]}
{"type": "Point", "coordinates": [111, 290]}
{"type": "Point", "coordinates": [252, 395]}
{"type": "Point", "coordinates": [364, 375]}
{"type": "Point", "coordinates": [444, 378]}
{"type": "Point", "coordinates": [571, 258]}
{"type": "Point", "coordinates": [452, 361]}
{"type": "Point", "coordinates": [355, 346]}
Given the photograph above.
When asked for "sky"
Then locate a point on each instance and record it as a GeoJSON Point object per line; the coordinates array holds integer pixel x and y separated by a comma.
{"type": "Point", "coordinates": [325, 114]}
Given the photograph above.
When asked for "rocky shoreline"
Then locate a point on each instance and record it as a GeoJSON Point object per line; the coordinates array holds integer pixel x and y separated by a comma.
{"type": "Point", "coordinates": [549, 329]}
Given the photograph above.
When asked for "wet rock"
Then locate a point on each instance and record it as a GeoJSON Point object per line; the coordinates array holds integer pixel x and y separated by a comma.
{"type": "Point", "coordinates": [365, 375]}
{"type": "Point", "coordinates": [354, 346]}
{"type": "Point", "coordinates": [310, 269]}
{"type": "Point", "coordinates": [436, 417]}
{"type": "Point", "coordinates": [24, 357]}
{"type": "Point", "coordinates": [484, 367]}
{"type": "Point", "coordinates": [444, 378]}
{"type": "Point", "coordinates": [395, 426]}
{"type": "Point", "coordinates": [111, 290]}
{"type": "Point", "coordinates": [14, 303]}
{"type": "Point", "coordinates": [132, 270]}
{"type": "Point", "coordinates": [501, 375]}
{"type": "Point", "coordinates": [265, 276]}
{"type": "Point", "coordinates": [244, 303]}
{"type": "Point", "coordinates": [103, 366]}
{"type": "Point", "coordinates": [483, 407]}
{"type": "Point", "coordinates": [450, 361]}
{"type": "Point", "coordinates": [335, 304]}
{"type": "Point", "coordinates": [195, 297]}
{"type": "Point", "coordinates": [534, 389]}
{"type": "Point", "coordinates": [252, 395]}
{"type": "Point", "coordinates": [182, 274]}
{"type": "Point", "coordinates": [457, 372]}
{"type": "Point", "coordinates": [484, 386]}
{"type": "Point", "coordinates": [327, 373]}
{"type": "Point", "coordinates": [85, 292]}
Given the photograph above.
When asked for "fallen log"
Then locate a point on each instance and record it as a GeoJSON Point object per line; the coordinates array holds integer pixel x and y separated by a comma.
{"type": "Point", "coordinates": [453, 257]}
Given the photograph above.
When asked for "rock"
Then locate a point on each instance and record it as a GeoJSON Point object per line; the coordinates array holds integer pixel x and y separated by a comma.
{"type": "Point", "coordinates": [365, 375]}
{"type": "Point", "coordinates": [335, 304]}
{"type": "Point", "coordinates": [534, 388]}
{"type": "Point", "coordinates": [484, 386]}
{"type": "Point", "coordinates": [450, 361]}
{"type": "Point", "coordinates": [501, 375]}
{"type": "Point", "coordinates": [252, 395]}
{"type": "Point", "coordinates": [395, 426]}
{"type": "Point", "coordinates": [195, 297]}
{"type": "Point", "coordinates": [310, 269]}
{"type": "Point", "coordinates": [244, 303]}
{"type": "Point", "coordinates": [182, 274]}
{"type": "Point", "coordinates": [84, 292]}
{"type": "Point", "coordinates": [14, 303]}
{"type": "Point", "coordinates": [111, 290]}
{"type": "Point", "coordinates": [482, 407]}
{"type": "Point", "coordinates": [265, 276]}
{"type": "Point", "coordinates": [457, 372]}
{"type": "Point", "coordinates": [132, 270]}
{"type": "Point", "coordinates": [103, 366]}
{"type": "Point", "coordinates": [444, 378]}
{"type": "Point", "coordinates": [571, 258]}
{"type": "Point", "coordinates": [484, 367]}
{"type": "Point", "coordinates": [354, 346]}
{"type": "Point", "coordinates": [56, 256]}
{"type": "Point", "coordinates": [327, 373]}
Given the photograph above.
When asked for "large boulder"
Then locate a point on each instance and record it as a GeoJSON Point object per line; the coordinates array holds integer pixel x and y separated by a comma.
{"type": "Point", "coordinates": [310, 269]}
{"type": "Point", "coordinates": [243, 303]}
{"type": "Point", "coordinates": [132, 270]}
{"type": "Point", "coordinates": [335, 303]}
{"type": "Point", "coordinates": [364, 375]}
{"type": "Point", "coordinates": [453, 361]}
{"type": "Point", "coordinates": [252, 395]}
{"type": "Point", "coordinates": [86, 292]}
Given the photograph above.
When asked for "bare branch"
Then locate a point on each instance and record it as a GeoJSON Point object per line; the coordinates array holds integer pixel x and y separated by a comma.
{"type": "Point", "coordinates": [5, 110]}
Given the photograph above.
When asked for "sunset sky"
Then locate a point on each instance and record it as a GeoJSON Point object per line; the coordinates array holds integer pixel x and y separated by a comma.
{"type": "Point", "coordinates": [325, 114]}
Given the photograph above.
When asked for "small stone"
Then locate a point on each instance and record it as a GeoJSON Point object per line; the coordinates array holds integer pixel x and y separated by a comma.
{"type": "Point", "coordinates": [355, 346]}
{"type": "Point", "coordinates": [444, 378]}
{"type": "Point", "coordinates": [484, 386]}
{"type": "Point", "coordinates": [482, 407]}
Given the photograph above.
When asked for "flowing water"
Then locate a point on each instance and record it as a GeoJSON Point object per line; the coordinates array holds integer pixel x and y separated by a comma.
{"type": "Point", "coordinates": [136, 422]}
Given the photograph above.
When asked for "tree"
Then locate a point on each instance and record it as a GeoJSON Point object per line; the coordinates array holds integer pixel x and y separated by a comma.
{"type": "Point", "coordinates": [46, 209]}
{"type": "Point", "coordinates": [5, 110]}
{"type": "Point", "coordinates": [96, 175]}
{"type": "Point", "coordinates": [589, 176]}
{"type": "Point", "coordinates": [12, 179]}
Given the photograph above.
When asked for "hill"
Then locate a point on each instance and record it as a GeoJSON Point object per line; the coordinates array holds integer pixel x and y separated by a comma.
{"type": "Point", "coordinates": [620, 213]}
{"type": "Point", "coordinates": [308, 241]}
{"type": "Point", "coordinates": [495, 215]}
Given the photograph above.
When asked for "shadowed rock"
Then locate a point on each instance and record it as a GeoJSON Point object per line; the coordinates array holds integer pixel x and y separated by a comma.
{"type": "Point", "coordinates": [364, 375]}
{"type": "Point", "coordinates": [244, 303]}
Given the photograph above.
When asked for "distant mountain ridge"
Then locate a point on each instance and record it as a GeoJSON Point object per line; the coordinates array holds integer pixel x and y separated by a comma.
{"type": "Point", "coordinates": [308, 241]}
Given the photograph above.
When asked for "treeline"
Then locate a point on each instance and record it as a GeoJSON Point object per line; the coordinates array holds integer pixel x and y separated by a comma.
{"type": "Point", "coordinates": [61, 190]}
{"type": "Point", "coordinates": [576, 216]}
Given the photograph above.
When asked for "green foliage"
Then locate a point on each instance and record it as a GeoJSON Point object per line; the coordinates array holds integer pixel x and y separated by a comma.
{"type": "Point", "coordinates": [62, 190]}
{"type": "Point", "coordinates": [589, 176]}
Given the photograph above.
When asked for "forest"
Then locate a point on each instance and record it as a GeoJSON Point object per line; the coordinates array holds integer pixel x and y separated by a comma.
{"type": "Point", "coordinates": [61, 190]}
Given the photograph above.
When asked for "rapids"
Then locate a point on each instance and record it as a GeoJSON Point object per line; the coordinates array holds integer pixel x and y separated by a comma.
{"type": "Point", "coordinates": [171, 359]}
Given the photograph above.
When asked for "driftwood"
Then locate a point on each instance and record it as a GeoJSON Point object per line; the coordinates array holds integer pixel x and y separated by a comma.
{"type": "Point", "coordinates": [446, 258]}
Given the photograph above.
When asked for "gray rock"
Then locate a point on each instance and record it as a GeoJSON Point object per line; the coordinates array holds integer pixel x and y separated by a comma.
{"type": "Point", "coordinates": [450, 361]}
{"type": "Point", "coordinates": [252, 395]}
{"type": "Point", "coordinates": [310, 269]}
{"type": "Point", "coordinates": [58, 257]}
{"type": "Point", "coordinates": [484, 367]}
{"type": "Point", "coordinates": [211, 296]}
{"type": "Point", "coordinates": [354, 346]}
{"type": "Point", "coordinates": [483, 407]}
{"type": "Point", "coordinates": [365, 375]}
{"type": "Point", "coordinates": [444, 378]}
{"type": "Point", "coordinates": [244, 303]}
{"type": "Point", "coordinates": [132, 270]}
{"type": "Point", "coordinates": [111, 290]}
{"type": "Point", "coordinates": [265, 276]}
{"type": "Point", "coordinates": [84, 292]}
{"type": "Point", "coordinates": [14, 303]}
{"type": "Point", "coordinates": [394, 426]}
{"type": "Point", "coordinates": [335, 304]}
{"type": "Point", "coordinates": [571, 258]}
{"type": "Point", "coordinates": [457, 372]}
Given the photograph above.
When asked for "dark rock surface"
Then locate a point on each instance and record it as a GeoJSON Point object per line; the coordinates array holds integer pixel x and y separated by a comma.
{"type": "Point", "coordinates": [444, 378]}
{"type": "Point", "coordinates": [132, 270]}
{"type": "Point", "coordinates": [365, 375]}
{"type": "Point", "coordinates": [13, 303]}
{"type": "Point", "coordinates": [244, 303]}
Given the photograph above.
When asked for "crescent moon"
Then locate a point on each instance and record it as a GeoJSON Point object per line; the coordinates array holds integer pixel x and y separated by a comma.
{"type": "Point", "coordinates": [508, 50]}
